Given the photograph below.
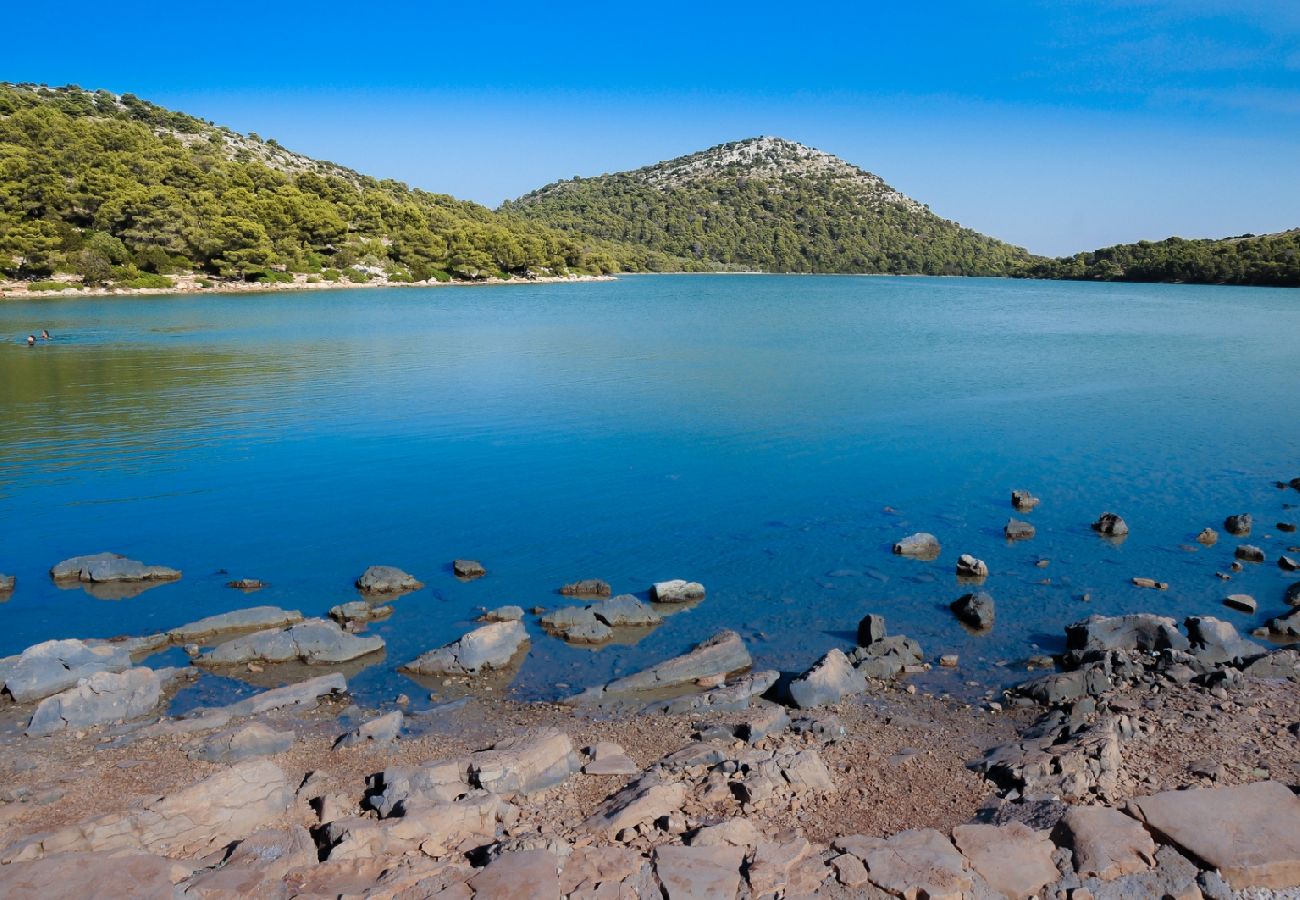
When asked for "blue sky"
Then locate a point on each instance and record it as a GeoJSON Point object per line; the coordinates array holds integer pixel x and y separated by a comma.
{"type": "Point", "coordinates": [1059, 125]}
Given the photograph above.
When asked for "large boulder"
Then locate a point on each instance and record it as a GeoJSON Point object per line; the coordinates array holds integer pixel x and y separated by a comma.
{"type": "Point", "coordinates": [99, 568]}
{"type": "Point", "coordinates": [976, 610]}
{"type": "Point", "coordinates": [719, 656]}
{"type": "Point", "coordinates": [492, 646]}
{"type": "Point", "coordinates": [1110, 524]}
{"type": "Point", "coordinates": [829, 680]}
{"type": "Point", "coordinates": [921, 545]}
{"type": "Point", "coordinates": [53, 666]}
{"type": "Point", "coordinates": [254, 618]}
{"type": "Point", "coordinates": [387, 580]}
{"type": "Point", "coordinates": [101, 699]}
{"type": "Point", "coordinates": [525, 764]}
{"type": "Point", "coordinates": [1138, 631]}
{"type": "Point", "coordinates": [190, 823]}
{"type": "Point", "coordinates": [676, 590]}
{"type": "Point", "coordinates": [1215, 642]}
{"type": "Point", "coordinates": [313, 642]}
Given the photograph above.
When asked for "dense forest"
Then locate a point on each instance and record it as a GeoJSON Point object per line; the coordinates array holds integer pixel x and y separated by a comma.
{"type": "Point", "coordinates": [1268, 259]}
{"type": "Point", "coordinates": [118, 190]}
{"type": "Point", "coordinates": [772, 205]}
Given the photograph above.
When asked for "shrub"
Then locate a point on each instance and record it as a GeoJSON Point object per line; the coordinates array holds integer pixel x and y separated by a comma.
{"type": "Point", "coordinates": [49, 286]}
{"type": "Point", "coordinates": [147, 280]}
{"type": "Point", "coordinates": [331, 275]}
{"type": "Point", "coordinates": [274, 278]}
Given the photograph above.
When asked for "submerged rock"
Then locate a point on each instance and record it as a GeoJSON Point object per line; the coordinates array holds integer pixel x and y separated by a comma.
{"type": "Point", "coordinates": [1016, 530]}
{"type": "Point", "coordinates": [387, 580]}
{"type": "Point", "coordinates": [1249, 553]}
{"type": "Point", "coordinates": [1110, 525]}
{"type": "Point", "coordinates": [486, 648]}
{"type": "Point", "coordinates": [976, 610]}
{"type": "Point", "coordinates": [1023, 500]}
{"type": "Point", "coordinates": [719, 656]}
{"type": "Point", "coordinates": [829, 680]}
{"type": "Point", "coordinates": [99, 568]}
{"type": "Point", "coordinates": [7, 584]}
{"type": "Point", "coordinates": [1292, 595]}
{"type": "Point", "coordinates": [468, 568]}
{"type": "Point", "coordinates": [587, 587]}
{"type": "Point", "coordinates": [970, 567]}
{"type": "Point", "coordinates": [53, 666]}
{"type": "Point", "coordinates": [253, 618]}
{"type": "Point", "coordinates": [246, 584]}
{"type": "Point", "coordinates": [313, 642]}
{"type": "Point", "coordinates": [921, 545]}
{"type": "Point", "coordinates": [503, 614]}
{"type": "Point", "coordinates": [677, 590]}
{"type": "Point", "coordinates": [1238, 526]}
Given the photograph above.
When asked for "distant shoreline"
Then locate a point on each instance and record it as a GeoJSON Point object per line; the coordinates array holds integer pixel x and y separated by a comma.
{"type": "Point", "coordinates": [188, 285]}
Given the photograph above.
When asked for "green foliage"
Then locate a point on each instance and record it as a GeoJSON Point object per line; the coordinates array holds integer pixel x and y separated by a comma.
{"type": "Point", "coordinates": [274, 278]}
{"type": "Point", "coordinates": [49, 286]}
{"type": "Point", "coordinates": [90, 181]}
{"type": "Point", "coordinates": [148, 280]}
{"type": "Point", "coordinates": [777, 212]}
{"type": "Point", "coordinates": [1270, 259]}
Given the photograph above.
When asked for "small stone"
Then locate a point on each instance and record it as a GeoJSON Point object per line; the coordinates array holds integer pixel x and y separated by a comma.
{"type": "Point", "coordinates": [1110, 525]}
{"type": "Point", "coordinates": [1151, 583]}
{"type": "Point", "coordinates": [1208, 536]}
{"type": "Point", "coordinates": [587, 587]}
{"type": "Point", "coordinates": [1250, 553]}
{"type": "Point", "coordinates": [970, 567]}
{"type": "Point", "coordinates": [468, 568]}
{"type": "Point", "coordinates": [1016, 530]}
{"type": "Point", "coordinates": [1023, 500]}
{"type": "Point", "coordinates": [502, 614]}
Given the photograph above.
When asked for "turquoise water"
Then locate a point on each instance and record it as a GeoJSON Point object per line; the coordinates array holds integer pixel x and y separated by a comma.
{"type": "Point", "coordinates": [748, 432]}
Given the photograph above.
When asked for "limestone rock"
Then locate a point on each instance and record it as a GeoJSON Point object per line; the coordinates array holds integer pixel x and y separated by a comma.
{"type": "Point", "coordinates": [487, 648]}
{"type": "Point", "coordinates": [7, 584]}
{"type": "Point", "coordinates": [733, 696]}
{"type": "Point", "coordinates": [1106, 843]}
{"type": "Point", "coordinates": [1110, 525]}
{"type": "Point", "coordinates": [917, 863]}
{"type": "Point", "coordinates": [1292, 595]}
{"type": "Point", "coordinates": [1023, 500]}
{"type": "Point", "coordinates": [503, 614]}
{"type": "Point", "coordinates": [644, 800]}
{"type": "Point", "coordinates": [1138, 631]}
{"type": "Point", "coordinates": [1243, 602]}
{"type": "Point", "coordinates": [886, 658]}
{"type": "Point", "coordinates": [521, 875]}
{"type": "Point", "coordinates": [380, 730]}
{"type": "Point", "coordinates": [247, 742]}
{"type": "Point", "coordinates": [921, 545]}
{"type": "Point", "coordinates": [1016, 530]}
{"type": "Point", "coordinates": [772, 862]}
{"type": "Point", "coordinates": [1013, 859]}
{"type": "Point", "coordinates": [53, 666]}
{"type": "Point", "coordinates": [432, 829]}
{"type": "Point", "coordinates": [976, 610]}
{"type": "Point", "coordinates": [699, 873]}
{"type": "Point", "coordinates": [255, 618]}
{"type": "Point", "coordinates": [358, 611]}
{"type": "Point", "coordinates": [256, 865]}
{"type": "Point", "coordinates": [734, 832]}
{"type": "Point", "coordinates": [827, 682]}
{"type": "Point", "coordinates": [101, 876]}
{"type": "Point", "coordinates": [608, 758]}
{"type": "Point", "coordinates": [871, 629]}
{"type": "Point", "coordinates": [1250, 832]}
{"type": "Point", "coordinates": [1238, 526]}
{"type": "Point", "coordinates": [1208, 536]}
{"type": "Point", "coordinates": [246, 584]}
{"type": "Point", "coordinates": [468, 568]}
{"type": "Point", "coordinates": [525, 764]}
{"type": "Point", "coordinates": [312, 641]}
{"type": "Point", "coordinates": [1286, 626]}
{"type": "Point", "coordinates": [970, 567]}
{"type": "Point", "coordinates": [587, 587]}
{"type": "Point", "coordinates": [100, 568]}
{"type": "Point", "coordinates": [101, 699]}
{"type": "Point", "coordinates": [677, 590]}
{"type": "Point", "coordinates": [387, 580]}
{"type": "Point", "coordinates": [577, 625]}
{"type": "Point", "coordinates": [1249, 553]}
{"type": "Point", "coordinates": [720, 655]}
{"type": "Point", "coordinates": [626, 611]}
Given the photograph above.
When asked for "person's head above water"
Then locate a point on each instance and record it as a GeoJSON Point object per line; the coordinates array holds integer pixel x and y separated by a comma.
{"type": "Point", "coordinates": [31, 339]}
{"type": "Point", "coordinates": [45, 334]}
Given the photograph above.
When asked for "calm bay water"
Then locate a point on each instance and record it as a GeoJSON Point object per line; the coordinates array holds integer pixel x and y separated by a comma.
{"type": "Point", "coordinates": [744, 431]}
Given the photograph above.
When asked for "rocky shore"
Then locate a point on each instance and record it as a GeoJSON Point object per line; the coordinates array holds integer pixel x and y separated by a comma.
{"type": "Point", "coordinates": [1152, 758]}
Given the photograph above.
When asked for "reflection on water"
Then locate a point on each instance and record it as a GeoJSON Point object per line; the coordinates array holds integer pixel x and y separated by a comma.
{"type": "Point", "coordinates": [771, 437]}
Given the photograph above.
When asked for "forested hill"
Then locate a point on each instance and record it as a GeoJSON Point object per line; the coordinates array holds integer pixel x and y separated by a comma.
{"type": "Point", "coordinates": [770, 204]}
{"type": "Point", "coordinates": [1265, 259]}
{"type": "Point", "coordinates": [119, 190]}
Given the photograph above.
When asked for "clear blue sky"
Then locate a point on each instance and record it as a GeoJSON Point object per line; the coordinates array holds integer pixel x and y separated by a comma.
{"type": "Point", "coordinates": [1056, 124]}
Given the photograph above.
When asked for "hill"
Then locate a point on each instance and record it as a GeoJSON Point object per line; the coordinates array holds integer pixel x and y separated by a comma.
{"type": "Point", "coordinates": [1266, 259]}
{"type": "Point", "coordinates": [116, 189]}
{"type": "Point", "coordinates": [770, 204]}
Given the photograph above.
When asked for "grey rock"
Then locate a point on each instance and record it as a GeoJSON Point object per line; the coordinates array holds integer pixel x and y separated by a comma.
{"type": "Point", "coordinates": [1023, 500]}
{"type": "Point", "coordinates": [587, 587]}
{"type": "Point", "coordinates": [1288, 563]}
{"type": "Point", "coordinates": [577, 625]}
{"type": "Point", "coordinates": [468, 568]}
{"type": "Point", "coordinates": [626, 611]}
{"type": "Point", "coordinates": [976, 610]}
{"type": "Point", "coordinates": [1249, 553]}
{"type": "Point", "coordinates": [387, 580]}
{"type": "Point", "coordinates": [53, 666]}
{"type": "Point", "coordinates": [246, 742]}
{"type": "Point", "coordinates": [827, 682]}
{"type": "Point", "coordinates": [489, 647]}
{"type": "Point", "coordinates": [731, 697]}
{"type": "Point", "coordinates": [503, 614]}
{"type": "Point", "coordinates": [1286, 626]}
{"type": "Point", "coordinates": [921, 545]}
{"type": "Point", "coordinates": [110, 567]}
{"type": "Point", "coordinates": [381, 730]}
{"type": "Point", "coordinates": [246, 584]}
{"type": "Point", "coordinates": [761, 723]}
{"type": "Point", "coordinates": [312, 641]}
{"type": "Point", "coordinates": [1292, 595]}
{"type": "Point", "coordinates": [359, 611]}
{"type": "Point", "coordinates": [970, 567]}
{"type": "Point", "coordinates": [719, 656]}
{"type": "Point", "coordinates": [1138, 631]}
{"type": "Point", "coordinates": [1016, 530]}
{"type": "Point", "coordinates": [1110, 525]}
{"type": "Point", "coordinates": [254, 618]}
{"type": "Point", "coordinates": [886, 658]}
{"type": "Point", "coordinates": [1238, 526]}
{"type": "Point", "coordinates": [101, 699]}
{"type": "Point", "coordinates": [1280, 664]}
{"type": "Point", "coordinates": [1066, 687]}
{"type": "Point", "coordinates": [1243, 602]}
{"type": "Point", "coordinates": [677, 590]}
{"type": "Point", "coordinates": [871, 629]}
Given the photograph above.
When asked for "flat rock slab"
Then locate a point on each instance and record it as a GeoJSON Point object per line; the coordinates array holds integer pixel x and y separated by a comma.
{"type": "Point", "coordinates": [1013, 858]}
{"type": "Point", "coordinates": [248, 742]}
{"type": "Point", "coordinates": [1106, 843]}
{"type": "Point", "coordinates": [359, 611]}
{"type": "Point", "coordinates": [313, 642]}
{"type": "Point", "coordinates": [101, 699]}
{"type": "Point", "coordinates": [525, 764]}
{"type": "Point", "coordinates": [699, 873]}
{"type": "Point", "coordinates": [521, 875]}
{"type": "Point", "coordinates": [644, 800]}
{"type": "Point", "coordinates": [387, 580]}
{"type": "Point", "coordinates": [100, 568]}
{"type": "Point", "coordinates": [917, 863]}
{"type": "Point", "coordinates": [1250, 833]}
{"type": "Point", "coordinates": [492, 646]}
{"type": "Point", "coordinates": [93, 875]}
{"type": "Point", "coordinates": [677, 590]}
{"type": "Point", "coordinates": [380, 730]}
{"type": "Point", "coordinates": [587, 587]}
{"type": "Point", "coordinates": [468, 568]}
{"type": "Point", "coordinates": [254, 618]}
{"type": "Point", "coordinates": [719, 656]}
{"type": "Point", "coordinates": [53, 666]}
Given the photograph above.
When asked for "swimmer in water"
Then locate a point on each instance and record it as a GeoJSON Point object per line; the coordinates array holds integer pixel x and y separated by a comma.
{"type": "Point", "coordinates": [45, 334]}
{"type": "Point", "coordinates": [31, 340]}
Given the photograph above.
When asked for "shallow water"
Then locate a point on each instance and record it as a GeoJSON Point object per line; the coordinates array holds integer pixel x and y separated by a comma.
{"type": "Point", "coordinates": [744, 431]}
